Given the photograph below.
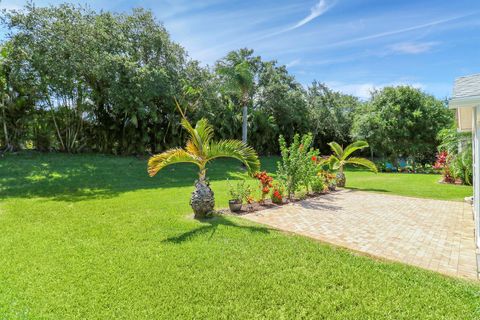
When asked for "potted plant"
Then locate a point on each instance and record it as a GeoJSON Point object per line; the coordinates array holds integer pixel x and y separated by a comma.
{"type": "Point", "coordinates": [238, 193]}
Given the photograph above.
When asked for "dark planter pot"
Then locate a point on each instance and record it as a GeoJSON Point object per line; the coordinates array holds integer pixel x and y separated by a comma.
{"type": "Point", "coordinates": [332, 187]}
{"type": "Point", "coordinates": [235, 205]}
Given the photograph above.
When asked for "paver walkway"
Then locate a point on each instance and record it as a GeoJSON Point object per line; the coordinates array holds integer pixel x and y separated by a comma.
{"type": "Point", "coordinates": [432, 234]}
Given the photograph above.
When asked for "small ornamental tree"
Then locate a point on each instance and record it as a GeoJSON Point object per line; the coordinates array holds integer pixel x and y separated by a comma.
{"type": "Point", "coordinates": [342, 157]}
{"type": "Point", "coordinates": [199, 150]}
{"type": "Point", "coordinates": [298, 163]}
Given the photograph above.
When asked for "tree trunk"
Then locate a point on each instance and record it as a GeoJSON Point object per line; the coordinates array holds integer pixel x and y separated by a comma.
{"type": "Point", "coordinates": [341, 179]}
{"type": "Point", "coordinates": [244, 123]}
{"type": "Point", "coordinates": [8, 147]}
{"type": "Point", "coordinates": [202, 200]}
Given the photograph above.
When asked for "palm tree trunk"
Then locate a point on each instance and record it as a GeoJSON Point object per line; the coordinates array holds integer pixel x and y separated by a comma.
{"type": "Point", "coordinates": [341, 178]}
{"type": "Point", "coordinates": [203, 199]}
{"type": "Point", "coordinates": [244, 123]}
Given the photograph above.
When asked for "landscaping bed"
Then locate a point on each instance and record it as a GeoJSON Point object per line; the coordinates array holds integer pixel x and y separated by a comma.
{"type": "Point", "coordinates": [268, 204]}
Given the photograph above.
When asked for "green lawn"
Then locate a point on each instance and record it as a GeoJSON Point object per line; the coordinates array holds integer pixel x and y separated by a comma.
{"type": "Point", "coordinates": [92, 237]}
{"type": "Point", "coordinates": [412, 185]}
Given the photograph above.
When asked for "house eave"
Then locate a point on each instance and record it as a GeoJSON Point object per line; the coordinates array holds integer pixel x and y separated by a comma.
{"type": "Point", "coordinates": [464, 102]}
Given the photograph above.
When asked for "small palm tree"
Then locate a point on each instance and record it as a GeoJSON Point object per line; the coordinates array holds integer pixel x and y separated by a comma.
{"type": "Point", "coordinates": [199, 150]}
{"type": "Point", "coordinates": [341, 157]}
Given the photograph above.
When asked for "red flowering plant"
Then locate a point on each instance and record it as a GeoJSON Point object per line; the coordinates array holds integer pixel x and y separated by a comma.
{"type": "Point", "coordinates": [277, 194]}
{"type": "Point", "coordinates": [443, 164]}
{"type": "Point", "coordinates": [266, 182]}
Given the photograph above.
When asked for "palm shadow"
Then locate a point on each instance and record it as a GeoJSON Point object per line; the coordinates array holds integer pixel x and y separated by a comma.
{"type": "Point", "coordinates": [317, 205]}
{"type": "Point", "coordinates": [211, 227]}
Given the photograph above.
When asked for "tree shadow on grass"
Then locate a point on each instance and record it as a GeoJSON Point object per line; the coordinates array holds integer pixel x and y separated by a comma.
{"type": "Point", "coordinates": [211, 228]}
{"type": "Point", "coordinates": [65, 177]}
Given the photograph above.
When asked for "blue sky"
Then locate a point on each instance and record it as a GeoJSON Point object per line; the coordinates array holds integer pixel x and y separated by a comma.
{"type": "Point", "coordinates": [352, 45]}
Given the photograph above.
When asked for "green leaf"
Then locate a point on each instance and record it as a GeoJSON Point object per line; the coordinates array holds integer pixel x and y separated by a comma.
{"type": "Point", "coordinates": [363, 162]}
{"type": "Point", "coordinates": [357, 145]}
{"type": "Point", "coordinates": [235, 149]}
{"type": "Point", "coordinates": [336, 148]}
{"type": "Point", "coordinates": [176, 155]}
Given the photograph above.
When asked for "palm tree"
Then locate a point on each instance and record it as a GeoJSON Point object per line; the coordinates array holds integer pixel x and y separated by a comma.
{"type": "Point", "coordinates": [239, 76]}
{"type": "Point", "coordinates": [199, 150]}
{"type": "Point", "coordinates": [341, 157]}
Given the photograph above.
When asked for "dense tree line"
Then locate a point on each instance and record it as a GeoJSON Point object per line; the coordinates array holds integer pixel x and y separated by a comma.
{"type": "Point", "coordinates": [73, 79]}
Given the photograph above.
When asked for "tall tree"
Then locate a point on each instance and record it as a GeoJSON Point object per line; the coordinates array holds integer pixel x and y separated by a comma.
{"type": "Point", "coordinates": [331, 114]}
{"type": "Point", "coordinates": [108, 80]}
{"type": "Point", "coordinates": [17, 97]}
{"type": "Point", "coordinates": [237, 70]}
{"type": "Point", "coordinates": [280, 107]}
{"type": "Point", "coordinates": [402, 121]}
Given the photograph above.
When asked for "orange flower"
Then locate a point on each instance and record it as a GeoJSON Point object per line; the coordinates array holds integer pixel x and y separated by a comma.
{"type": "Point", "coordinates": [314, 158]}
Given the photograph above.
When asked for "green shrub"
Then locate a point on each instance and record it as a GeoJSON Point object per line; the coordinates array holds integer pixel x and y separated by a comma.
{"type": "Point", "coordinates": [301, 195]}
{"type": "Point", "coordinates": [318, 185]}
{"type": "Point", "coordinates": [461, 166]}
{"type": "Point", "coordinates": [298, 165]}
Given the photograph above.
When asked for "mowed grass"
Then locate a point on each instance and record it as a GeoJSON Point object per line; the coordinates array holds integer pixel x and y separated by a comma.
{"type": "Point", "coordinates": [93, 237]}
{"type": "Point", "coordinates": [412, 185]}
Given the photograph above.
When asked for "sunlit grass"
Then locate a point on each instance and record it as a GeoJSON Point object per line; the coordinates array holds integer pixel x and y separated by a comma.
{"type": "Point", "coordinates": [93, 237]}
{"type": "Point", "coordinates": [412, 185]}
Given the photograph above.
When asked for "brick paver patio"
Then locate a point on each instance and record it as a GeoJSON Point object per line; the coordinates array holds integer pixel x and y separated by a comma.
{"type": "Point", "coordinates": [432, 234]}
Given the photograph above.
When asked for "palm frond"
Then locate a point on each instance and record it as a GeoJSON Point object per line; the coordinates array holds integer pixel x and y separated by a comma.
{"type": "Point", "coordinates": [323, 161]}
{"type": "Point", "coordinates": [244, 76]}
{"type": "Point", "coordinates": [191, 148]}
{"type": "Point", "coordinates": [235, 149]}
{"type": "Point", "coordinates": [336, 148]}
{"type": "Point", "coordinates": [334, 163]}
{"type": "Point", "coordinates": [176, 155]}
{"type": "Point", "coordinates": [357, 145]}
{"type": "Point", "coordinates": [204, 131]}
{"type": "Point", "coordinates": [195, 138]}
{"type": "Point", "coordinates": [363, 162]}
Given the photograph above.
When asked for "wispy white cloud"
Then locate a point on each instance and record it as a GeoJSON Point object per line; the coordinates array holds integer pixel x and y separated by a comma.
{"type": "Point", "coordinates": [293, 63]}
{"type": "Point", "coordinates": [379, 35]}
{"type": "Point", "coordinates": [320, 8]}
{"type": "Point", "coordinates": [402, 30]}
{"type": "Point", "coordinates": [413, 47]}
